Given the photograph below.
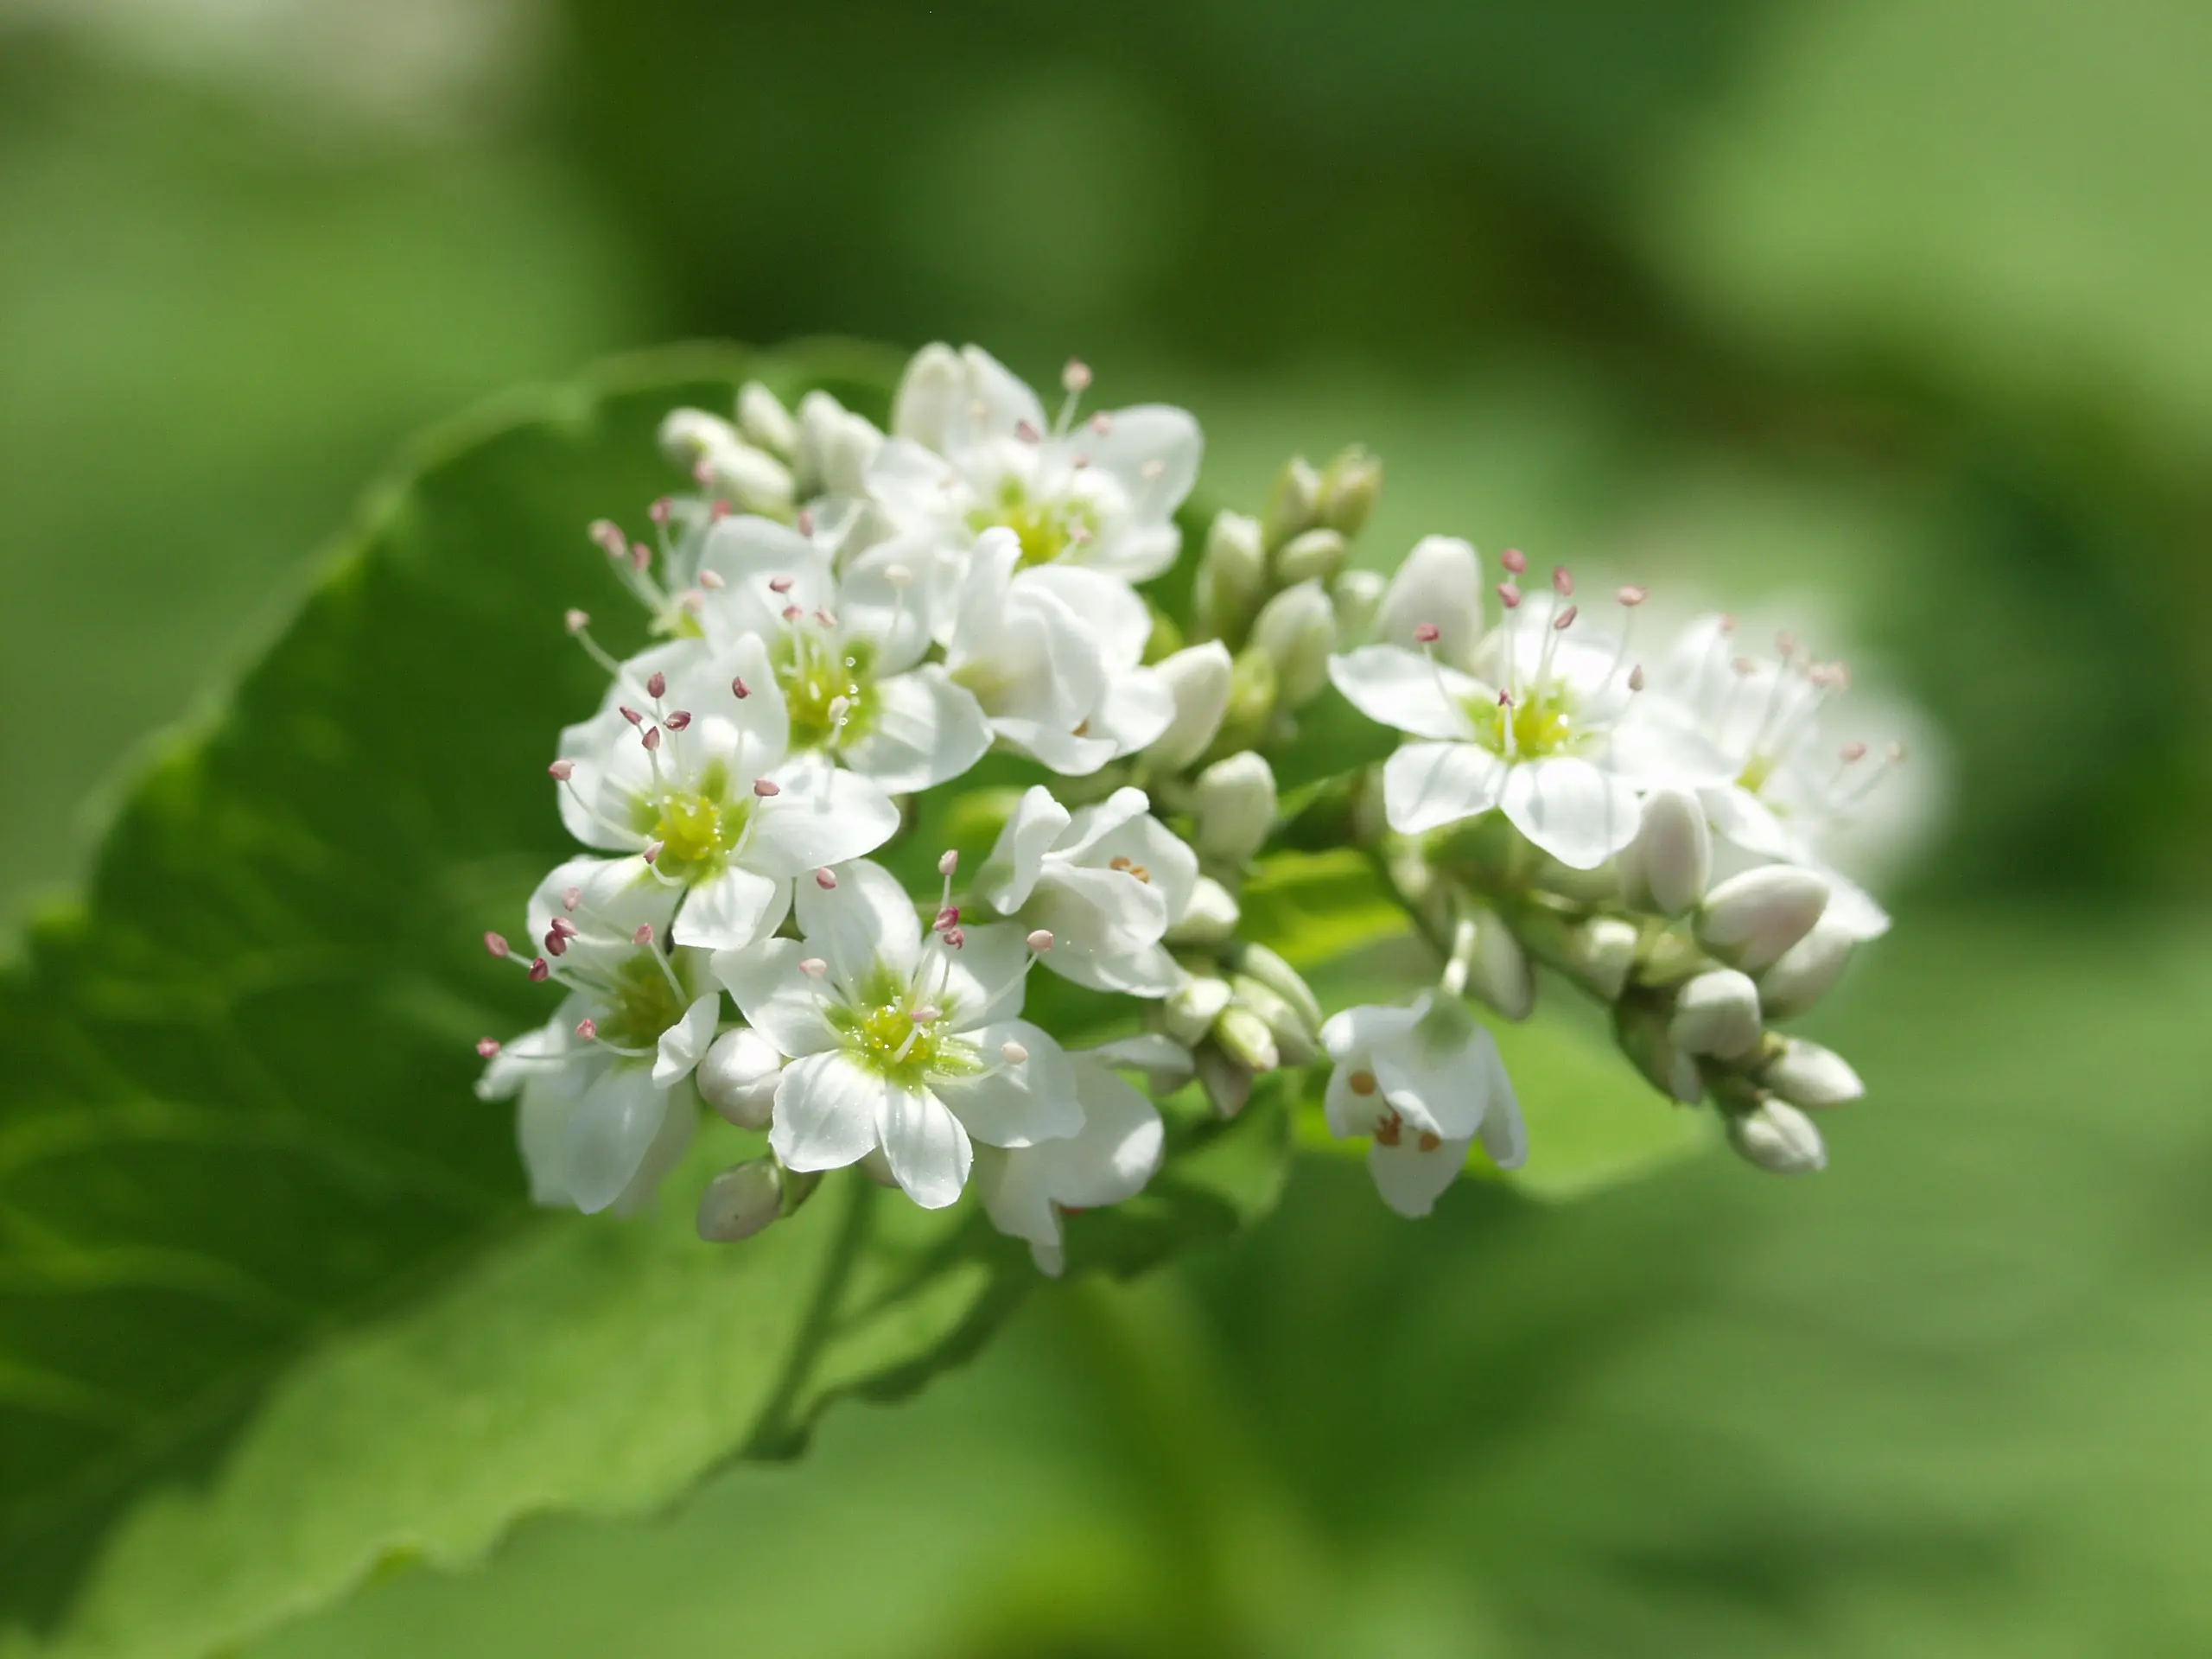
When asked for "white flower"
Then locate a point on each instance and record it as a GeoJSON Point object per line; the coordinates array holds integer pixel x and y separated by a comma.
{"type": "Point", "coordinates": [1109, 1159]}
{"type": "Point", "coordinates": [972, 447]}
{"type": "Point", "coordinates": [1424, 1083]}
{"type": "Point", "coordinates": [847, 651]}
{"type": "Point", "coordinates": [1539, 720]}
{"type": "Point", "coordinates": [1106, 882]}
{"type": "Point", "coordinates": [909, 1045]}
{"type": "Point", "coordinates": [597, 1124]}
{"type": "Point", "coordinates": [1791, 788]}
{"type": "Point", "coordinates": [683, 773]}
{"type": "Point", "coordinates": [1054, 657]}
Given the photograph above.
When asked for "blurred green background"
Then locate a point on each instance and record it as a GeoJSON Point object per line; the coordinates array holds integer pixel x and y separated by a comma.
{"type": "Point", "coordinates": [1894, 313]}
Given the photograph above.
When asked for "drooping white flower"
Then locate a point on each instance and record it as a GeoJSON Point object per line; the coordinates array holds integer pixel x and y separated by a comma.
{"type": "Point", "coordinates": [685, 774]}
{"type": "Point", "coordinates": [1054, 656]}
{"type": "Point", "coordinates": [848, 650]}
{"type": "Point", "coordinates": [598, 1121]}
{"type": "Point", "coordinates": [1108, 881]}
{"type": "Point", "coordinates": [1026, 1189]}
{"type": "Point", "coordinates": [972, 447]}
{"type": "Point", "coordinates": [1423, 1082]}
{"type": "Point", "coordinates": [1539, 719]}
{"type": "Point", "coordinates": [908, 1043]}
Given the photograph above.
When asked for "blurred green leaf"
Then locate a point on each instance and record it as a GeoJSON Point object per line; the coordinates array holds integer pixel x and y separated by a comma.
{"type": "Point", "coordinates": [260, 1234]}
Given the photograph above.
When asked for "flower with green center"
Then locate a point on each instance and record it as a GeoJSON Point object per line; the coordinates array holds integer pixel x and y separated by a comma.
{"type": "Point", "coordinates": [972, 449]}
{"type": "Point", "coordinates": [899, 1041]}
{"type": "Point", "coordinates": [689, 769]}
{"type": "Point", "coordinates": [602, 1117]}
{"type": "Point", "coordinates": [847, 651]}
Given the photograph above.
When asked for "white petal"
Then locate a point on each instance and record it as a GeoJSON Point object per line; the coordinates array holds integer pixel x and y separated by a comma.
{"type": "Point", "coordinates": [536, 1057]}
{"type": "Point", "coordinates": [909, 481]}
{"type": "Point", "coordinates": [1014, 1194]}
{"type": "Point", "coordinates": [922, 730]}
{"type": "Point", "coordinates": [1578, 814]}
{"type": "Point", "coordinates": [683, 1043]}
{"type": "Point", "coordinates": [1165, 1062]}
{"type": "Point", "coordinates": [1171, 866]}
{"type": "Point", "coordinates": [928, 1150]}
{"type": "Point", "coordinates": [1093, 914]}
{"type": "Point", "coordinates": [1137, 708]}
{"type": "Point", "coordinates": [1139, 436]}
{"type": "Point", "coordinates": [1852, 908]}
{"type": "Point", "coordinates": [1054, 745]}
{"type": "Point", "coordinates": [748, 554]}
{"type": "Point", "coordinates": [1440, 583]}
{"type": "Point", "coordinates": [984, 980]}
{"type": "Point", "coordinates": [1352, 1034]}
{"type": "Point", "coordinates": [1427, 785]}
{"type": "Point", "coordinates": [899, 615]}
{"type": "Point", "coordinates": [866, 919]}
{"type": "Point", "coordinates": [1117, 1150]}
{"type": "Point", "coordinates": [679, 1127]}
{"type": "Point", "coordinates": [609, 1133]}
{"type": "Point", "coordinates": [731, 909]}
{"type": "Point", "coordinates": [1016, 1105]}
{"type": "Point", "coordinates": [1116, 615]}
{"type": "Point", "coordinates": [541, 1134]}
{"type": "Point", "coordinates": [823, 816]}
{"type": "Point", "coordinates": [777, 1000]}
{"type": "Point", "coordinates": [1007, 400]}
{"type": "Point", "coordinates": [1411, 1180]}
{"type": "Point", "coordinates": [1010, 871]}
{"type": "Point", "coordinates": [928, 392]}
{"type": "Point", "coordinates": [826, 1111]}
{"type": "Point", "coordinates": [1401, 688]}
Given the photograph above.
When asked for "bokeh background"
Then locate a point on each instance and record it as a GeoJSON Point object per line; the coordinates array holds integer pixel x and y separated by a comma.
{"type": "Point", "coordinates": [1896, 315]}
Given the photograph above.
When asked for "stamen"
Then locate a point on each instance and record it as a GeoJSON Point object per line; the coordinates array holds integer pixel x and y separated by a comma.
{"type": "Point", "coordinates": [496, 945]}
{"type": "Point", "coordinates": [813, 967]}
{"type": "Point", "coordinates": [538, 970]}
{"type": "Point", "coordinates": [712, 581]}
{"type": "Point", "coordinates": [826, 879]}
{"type": "Point", "coordinates": [641, 557]}
{"type": "Point", "coordinates": [806, 521]}
{"type": "Point", "coordinates": [679, 720]}
{"type": "Point", "coordinates": [557, 944]}
{"type": "Point", "coordinates": [656, 685]}
{"type": "Point", "coordinates": [1014, 1053]}
{"type": "Point", "coordinates": [779, 584]}
{"type": "Point", "coordinates": [825, 618]}
{"type": "Point", "coordinates": [739, 689]}
{"type": "Point", "coordinates": [765, 789]}
{"type": "Point", "coordinates": [486, 1048]}
{"type": "Point", "coordinates": [1027, 431]}
{"type": "Point", "coordinates": [565, 928]}
{"type": "Point", "coordinates": [1077, 375]}
{"type": "Point", "coordinates": [1040, 941]}
{"type": "Point", "coordinates": [897, 576]}
{"type": "Point", "coordinates": [1565, 620]}
{"type": "Point", "coordinates": [1427, 634]}
{"type": "Point", "coordinates": [651, 852]}
{"type": "Point", "coordinates": [563, 769]}
{"type": "Point", "coordinates": [1102, 423]}
{"type": "Point", "coordinates": [946, 919]}
{"type": "Point", "coordinates": [630, 714]}
{"type": "Point", "coordinates": [651, 739]}
{"type": "Point", "coordinates": [1505, 721]}
{"type": "Point", "coordinates": [1636, 678]}
{"type": "Point", "coordinates": [1632, 595]}
{"type": "Point", "coordinates": [658, 511]}
{"type": "Point", "coordinates": [587, 1028]}
{"type": "Point", "coordinates": [1509, 595]}
{"type": "Point", "coordinates": [956, 937]}
{"type": "Point", "coordinates": [791, 613]}
{"type": "Point", "coordinates": [577, 621]}
{"type": "Point", "coordinates": [643, 935]}
{"type": "Point", "coordinates": [1362, 1083]}
{"type": "Point", "coordinates": [1563, 582]}
{"type": "Point", "coordinates": [609, 536]}
{"type": "Point", "coordinates": [1515, 560]}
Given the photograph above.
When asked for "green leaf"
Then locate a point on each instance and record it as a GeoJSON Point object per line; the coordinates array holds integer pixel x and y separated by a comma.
{"type": "Point", "coordinates": [270, 1291]}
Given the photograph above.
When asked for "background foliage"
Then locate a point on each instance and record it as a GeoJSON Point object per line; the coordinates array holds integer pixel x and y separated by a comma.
{"type": "Point", "coordinates": [1899, 304]}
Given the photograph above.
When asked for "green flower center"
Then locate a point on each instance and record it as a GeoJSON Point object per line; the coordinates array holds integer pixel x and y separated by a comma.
{"type": "Point", "coordinates": [814, 672]}
{"type": "Point", "coordinates": [1045, 529]}
{"type": "Point", "coordinates": [1755, 773]}
{"type": "Point", "coordinates": [698, 827]}
{"type": "Point", "coordinates": [640, 1004]}
{"type": "Point", "coordinates": [1541, 724]}
{"type": "Point", "coordinates": [880, 1032]}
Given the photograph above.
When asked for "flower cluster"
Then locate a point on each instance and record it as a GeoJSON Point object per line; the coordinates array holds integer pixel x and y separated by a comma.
{"type": "Point", "coordinates": [854, 627]}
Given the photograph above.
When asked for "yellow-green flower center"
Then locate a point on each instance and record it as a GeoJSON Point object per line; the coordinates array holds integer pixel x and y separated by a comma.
{"type": "Point", "coordinates": [880, 1032]}
{"type": "Point", "coordinates": [640, 1004]}
{"type": "Point", "coordinates": [1540, 724]}
{"type": "Point", "coordinates": [698, 827]}
{"type": "Point", "coordinates": [1045, 529]}
{"type": "Point", "coordinates": [814, 673]}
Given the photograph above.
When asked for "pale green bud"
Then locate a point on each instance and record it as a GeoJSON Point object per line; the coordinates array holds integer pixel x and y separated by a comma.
{"type": "Point", "coordinates": [1294, 504]}
{"type": "Point", "coordinates": [1234, 802]}
{"type": "Point", "coordinates": [1295, 1043]}
{"type": "Point", "coordinates": [1190, 1010]}
{"type": "Point", "coordinates": [1805, 1074]}
{"type": "Point", "coordinates": [929, 393]}
{"type": "Point", "coordinates": [1199, 679]}
{"type": "Point", "coordinates": [1499, 971]}
{"type": "Point", "coordinates": [1285, 981]}
{"type": "Point", "coordinates": [1348, 490]}
{"type": "Point", "coordinates": [765, 421]}
{"type": "Point", "coordinates": [1244, 1037]}
{"type": "Point", "coordinates": [1641, 1031]}
{"type": "Point", "coordinates": [1439, 584]}
{"type": "Point", "coordinates": [739, 1075]}
{"type": "Point", "coordinates": [1807, 970]}
{"type": "Point", "coordinates": [1298, 631]}
{"type": "Point", "coordinates": [1210, 918]}
{"type": "Point", "coordinates": [1232, 574]}
{"type": "Point", "coordinates": [1356, 595]}
{"type": "Point", "coordinates": [1251, 700]}
{"type": "Point", "coordinates": [1717, 1012]}
{"type": "Point", "coordinates": [1228, 1084]}
{"type": "Point", "coordinates": [1311, 556]}
{"type": "Point", "coordinates": [1671, 861]}
{"type": "Point", "coordinates": [1752, 920]}
{"type": "Point", "coordinates": [740, 1202]}
{"type": "Point", "coordinates": [1596, 952]}
{"type": "Point", "coordinates": [1779, 1138]}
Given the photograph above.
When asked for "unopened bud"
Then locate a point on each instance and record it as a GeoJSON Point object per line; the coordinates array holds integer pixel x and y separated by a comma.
{"type": "Point", "coordinates": [1210, 918]}
{"type": "Point", "coordinates": [1197, 678]}
{"type": "Point", "coordinates": [1671, 859]}
{"type": "Point", "coordinates": [740, 1202]}
{"type": "Point", "coordinates": [1717, 1012]}
{"type": "Point", "coordinates": [1602, 951]}
{"type": "Point", "coordinates": [1285, 981]}
{"type": "Point", "coordinates": [1805, 1074]}
{"type": "Point", "coordinates": [1228, 1085]}
{"type": "Point", "coordinates": [1298, 630]}
{"type": "Point", "coordinates": [765, 421]}
{"type": "Point", "coordinates": [1349, 489]}
{"type": "Point", "coordinates": [1807, 970]}
{"type": "Point", "coordinates": [1499, 971]}
{"type": "Point", "coordinates": [739, 1075]}
{"type": "Point", "coordinates": [1244, 1038]}
{"type": "Point", "coordinates": [1251, 701]}
{"type": "Point", "coordinates": [1232, 574]}
{"type": "Point", "coordinates": [1779, 1138]}
{"type": "Point", "coordinates": [1293, 1034]}
{"type": "Point", "coordinates": [1356, 595]}
{"type": "Point", "coordinates": [928, 395]}
{"type": "Point", "coordinates": [1234, 801]}
{"type": "Point", "coordinates": [1293, 503]}
{"type": "Point", "coordinates": [1439, 583]}
{"type": "Point", "coordinates": [1190, 1011]}
{"type": "Point", "coordinates": [1641, 1031]}
{"type": "Point", "coordinates": [1311, 556]}
{"type": "Point", "coordinates": [1752, 920]}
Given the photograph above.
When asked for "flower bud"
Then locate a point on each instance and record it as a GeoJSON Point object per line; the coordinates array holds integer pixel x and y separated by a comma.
{"type": "Point", "coordinates": [739, 1075]}
{"type": "Point", "coordinates": [754, 479]}
{"type": "Point", "coordinates": [928, 392]}
{"type": "Point", "coordinates": [1311, 556]}
{"type": "Point", "coordinates": [1190, 1009]}
{"type": "Point", "coordinates": [1499, 971]}
{"type": "Point", "coordinates": [1234, 802]}
{"type": "Point", "coordinates": [1357, 595]}
{"type": "Point", "coordinates": [1210, 918]}
{"type": "Point", "coordinates": [1232, 574]}
{"type": "Point", "coordinates": [765, 421]}
{"type": "Point", "coordinates": [1439, 584]}
{"type": "Point", "coordinates": [849, 454]}
{"type": "Point", "coordinates": [688, 436]}
{"type": "Point", "coordinates": [1197, 678]}
{"type": "Point", "coordinates": [1779, 1138]}
{"type": "Point", "coordinates": [1349, 489]}
{"type": "Point", "coordinates": [1717, 1012]}
{"type": "Point", "coordinates": [1805, 1074]}
{"type": "Point", "coordinates": [1262, 965]}
{"type": "Point", "coordinates": [1228, 1084]}
{"type": "Point", "coordinates": [1596, 951]}
{"type": "Point", "coordinates": [1251, 700]}
{"type": "Point", "coordinates": [1671, 861]}
{"type": "Point", "coordinates": [1752, 920]}
{"type": "Point", "coordinates": [740, 1202]}
{"type": "Point", "coordinates": [1294, 1043]}
{"type": "Point", "coordinates": [1298, 630]}
{"type": "Point", "coordinates": [1293, 503]}
{"type": "Point", "coordinates": [1804, 972]}
{"type": "Point", "coordinates": [1244, 1037]}
{"type": "Point", "coordinates": [1641, 1031]}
